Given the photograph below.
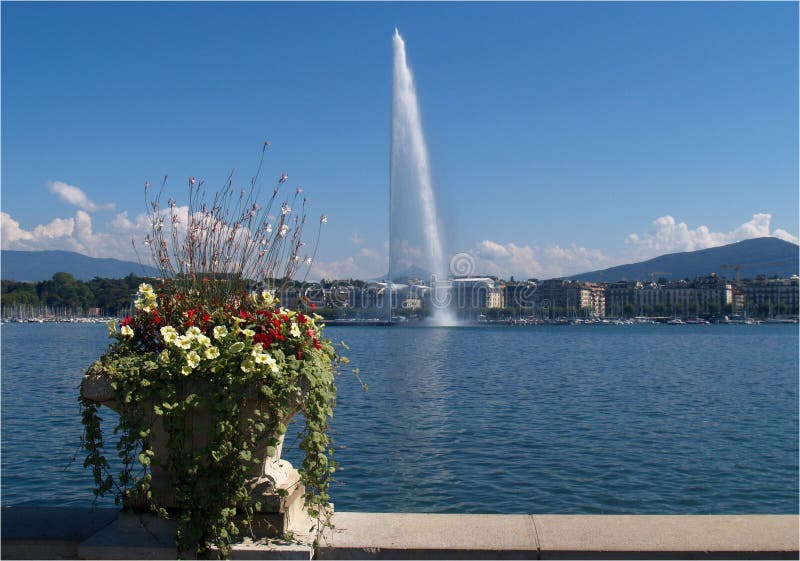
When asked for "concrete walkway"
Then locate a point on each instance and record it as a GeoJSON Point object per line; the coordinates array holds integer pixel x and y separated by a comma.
{"type": "Point", "coordinates": [75, 533]}
{"type": "Point", "coordinates": [477, 536]}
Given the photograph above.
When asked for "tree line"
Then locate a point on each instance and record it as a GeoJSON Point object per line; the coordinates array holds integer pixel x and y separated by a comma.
{"type": "Point", "coordinates": [107, 297]}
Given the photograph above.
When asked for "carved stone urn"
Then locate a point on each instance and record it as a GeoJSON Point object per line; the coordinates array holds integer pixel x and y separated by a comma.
{"type": "Point", "coordinates": [273, 482]}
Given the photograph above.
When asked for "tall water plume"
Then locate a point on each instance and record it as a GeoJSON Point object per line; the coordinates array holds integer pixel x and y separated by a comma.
{"type": "Point", "coordinates": [415, 240]}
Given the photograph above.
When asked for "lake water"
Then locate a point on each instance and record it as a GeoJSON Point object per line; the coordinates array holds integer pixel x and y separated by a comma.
{"type": "Point", "coordinates": [545, 419]}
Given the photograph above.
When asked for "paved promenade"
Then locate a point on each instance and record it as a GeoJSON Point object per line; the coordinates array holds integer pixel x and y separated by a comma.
{"type": "Point", "coordinates": [74, 533]}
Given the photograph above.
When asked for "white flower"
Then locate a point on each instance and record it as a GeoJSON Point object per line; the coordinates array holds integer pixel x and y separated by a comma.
{"type": "Point", "coordinates": [186, 369]}
{"type": "Point", "coordinates": [268, 298]}
{"type": "Point", "coordinates": [248, 332]}
{"type": "Point", "coordinates": [220, 332]}
{"type": "Point", "coordinates": [212, 353]}
{"type": "Point", "coordinates": [323, 219]}
{"type": "Point", "coordinates": [285, 209]}
{"type": "Point", "coordinates": [169, 334]}
{"type": "Point", "coordinates": [203, 340]}
{"type": "Point", "coordinates": [294, 331]}
{"type": "Point", "coordinates": [283, 230]}
{"type": "Point", "coordinates": [272, 363]}
{"type": "Point", "coordinates": [164, 356]}
{"type": "Point", "coordinates": [184, 342]}
{"type": "Point", "coordinates": [126, 331]}
{"type": "Point", "coordinates": [193, 332]}
{"type": "Point", "coordinates": [237, 347]}
{"type": "Point", "coordinates": [145, 288]}
{"type": "Point", "coordinates": [193, 359]}
{"type": "Point", "coordinates": [247, 365]}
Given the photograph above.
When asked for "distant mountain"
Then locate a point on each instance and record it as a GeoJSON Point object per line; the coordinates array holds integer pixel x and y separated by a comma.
{"type": "Point", "coordinates": [758, 256]}
{"type": "Point", "coordinates": [401, 277]}
{"type": "Point", "coordinates": [35, 266]}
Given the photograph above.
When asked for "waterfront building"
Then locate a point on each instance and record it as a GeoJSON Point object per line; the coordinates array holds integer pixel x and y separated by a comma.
{"type": "Point", "coordinates": [557, 297]}
{"type": "Point", "coordinates": [621, 298]}
{"type": "Point", "coordinates": [475, 293]}
{"type": "Point", "coordinates": [520, 295]}
{"type": "Point", "coordinates": [771, 297]}
{"type": "Point", "coordinates": [703, 296]}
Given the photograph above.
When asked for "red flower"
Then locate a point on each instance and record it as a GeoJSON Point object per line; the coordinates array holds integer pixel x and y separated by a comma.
{"type": "Point", "coordinates": [317, 345]}
{"type": "Point", "coordinates": [301, 318]}
{"type": "Point", "coordinates": [262, 338]}
{"type": "Point", "coordinates": [313, 306]}
{"type": "Point", "coordinates": [127, 321]}
{"type": "Point", "coordinates": [299, 354]}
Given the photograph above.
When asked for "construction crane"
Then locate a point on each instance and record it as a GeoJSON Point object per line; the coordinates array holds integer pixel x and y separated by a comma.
{"type": "Point", "coordinates": [735, 266]}
{"type": "Point", "coordinates": [738, 266]}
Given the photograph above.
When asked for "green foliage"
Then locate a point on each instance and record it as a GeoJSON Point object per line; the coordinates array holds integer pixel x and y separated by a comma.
{"type": "Point", "coordinates": [249, 367]}
{"type": "Point", "coordinates": [112, 296]}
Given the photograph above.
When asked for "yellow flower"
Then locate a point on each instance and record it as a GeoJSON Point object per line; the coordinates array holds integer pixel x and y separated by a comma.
{"type": "Point", "coordinates": [126, 331]}
{"type": "Point", "coordinates": [294, 331]}
{"type": "Point", "coordinates": [212, 353]}
{"type": "Point", "coordinates": [112, 326]}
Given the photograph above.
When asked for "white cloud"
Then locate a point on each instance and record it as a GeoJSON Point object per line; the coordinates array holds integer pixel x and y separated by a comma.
{"type": "Point", "coordinates": [367, 263]}
{"type": "Point", "coordinates": [75, 196]}
{"type": "Point", "coordinates": [532, 261]}
{"type": "Point", "coordinates": [356, 239]}
{"type": "Point", "coordinates": [13, 233]}
{"type": "Point", "coordinates": [669, 236]}
{"type": "Point", "coordinates": [69, 234]}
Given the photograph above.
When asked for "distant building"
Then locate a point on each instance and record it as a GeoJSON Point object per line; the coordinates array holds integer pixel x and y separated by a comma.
{"type": "Point", "coordinates": [703, 296]}
{"type": "Point", "coordinates": [564, 297]}
{"type": "Point", "coordinates": [475, 293]}
{"type": "Point", "coordinates": [771, 297]}
{"type": "Point", "coordinates": [520, 295]}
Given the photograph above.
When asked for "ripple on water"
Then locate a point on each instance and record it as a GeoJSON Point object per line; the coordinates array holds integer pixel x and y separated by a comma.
{"type": "Point", "coordinates": [609, 419]}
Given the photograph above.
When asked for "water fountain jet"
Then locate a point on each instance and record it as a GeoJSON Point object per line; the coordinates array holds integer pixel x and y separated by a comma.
{"type": "Point", "coordinates": [414, 235]}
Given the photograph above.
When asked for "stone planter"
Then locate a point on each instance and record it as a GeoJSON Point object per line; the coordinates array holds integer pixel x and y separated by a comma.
{"type": "Point", "coordinates": [273, 482]}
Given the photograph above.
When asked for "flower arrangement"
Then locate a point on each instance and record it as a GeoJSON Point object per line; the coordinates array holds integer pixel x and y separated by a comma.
{"type": "Point", "coordinates": [210, 368]}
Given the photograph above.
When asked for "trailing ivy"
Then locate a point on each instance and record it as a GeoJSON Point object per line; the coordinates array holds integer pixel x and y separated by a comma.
{"type": "Point", "coordinates": [215, 392]}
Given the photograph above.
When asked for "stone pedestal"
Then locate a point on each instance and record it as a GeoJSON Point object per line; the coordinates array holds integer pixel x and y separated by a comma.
{"type": "Point", "coordinates": [274, 482]}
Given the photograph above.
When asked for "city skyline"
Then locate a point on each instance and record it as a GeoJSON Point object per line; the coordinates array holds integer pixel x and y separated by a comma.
{"type": "Point", "coordinates": [564, 137]}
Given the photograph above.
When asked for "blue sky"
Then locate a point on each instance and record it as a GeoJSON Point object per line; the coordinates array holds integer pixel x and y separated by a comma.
{"type": "Point", "coordinates": [563, 136]}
